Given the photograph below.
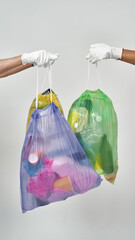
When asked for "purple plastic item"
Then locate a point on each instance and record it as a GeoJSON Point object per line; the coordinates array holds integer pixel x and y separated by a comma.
{"type": "Point", "coordinates": [54, 165]}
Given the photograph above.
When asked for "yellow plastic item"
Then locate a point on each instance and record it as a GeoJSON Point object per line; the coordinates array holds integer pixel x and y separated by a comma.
{"type": "Point", "coordinates": [43, 101]}
{"type": "Point", "coordinates": [97, 166]}
{"type": "Point", "coordinates": [79, 119]}
{"type": "Point", "coordinates": [75, 118]}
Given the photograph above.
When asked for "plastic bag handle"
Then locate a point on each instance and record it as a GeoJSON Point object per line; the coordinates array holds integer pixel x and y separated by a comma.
{"type": "Point", "coordinates": [88, 77]}
{"type": "Point", "coordinates": [97, 75]}
{"type": "Point", "coordinates": [50, 78]}
{"type": "Point", "coordinates": [37, 87]}
{"type": "Point", "coordinates": [48, 72]}
{"type": "Point", "coordinates": [44, 80]}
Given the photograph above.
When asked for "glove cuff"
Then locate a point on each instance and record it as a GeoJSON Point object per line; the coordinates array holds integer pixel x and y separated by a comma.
{"type": "Point", "coordinates": [116, 53]}
{"type": "Point", "coordinates": [24, 58]}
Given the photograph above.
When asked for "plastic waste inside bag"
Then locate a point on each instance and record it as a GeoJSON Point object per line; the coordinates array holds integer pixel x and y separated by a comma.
{"type": "Point", "coordinates": [44, 100]}
{"type": "Point", "coordinates": [93, 119]}
{"type": "Point", "coordinates": [54, 165]}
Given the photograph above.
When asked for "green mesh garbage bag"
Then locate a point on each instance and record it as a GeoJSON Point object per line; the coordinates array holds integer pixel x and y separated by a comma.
{"type": "Point", "coordinates": [93, 119]}
{"type": "Point", "coordinates": [44, 100]}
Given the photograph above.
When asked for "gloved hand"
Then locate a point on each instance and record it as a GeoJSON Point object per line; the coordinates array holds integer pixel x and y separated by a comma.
{"type": "Point", "coordinates": [40, 58]}
{"type": "Point", "coordinates": [101, 51]}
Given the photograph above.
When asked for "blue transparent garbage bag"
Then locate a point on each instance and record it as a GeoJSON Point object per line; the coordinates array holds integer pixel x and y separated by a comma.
{"type": "Point", "coordinates": [54, 165]}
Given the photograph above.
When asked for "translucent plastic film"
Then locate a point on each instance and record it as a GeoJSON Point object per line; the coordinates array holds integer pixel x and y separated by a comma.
{"type": "Point", "coordinates": [54, 165]}
{"type": "Point", "coordinates": [93, 119]}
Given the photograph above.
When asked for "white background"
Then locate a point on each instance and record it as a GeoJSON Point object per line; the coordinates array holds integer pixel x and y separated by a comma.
{"type": "Point", "coordinates": [67, 27]}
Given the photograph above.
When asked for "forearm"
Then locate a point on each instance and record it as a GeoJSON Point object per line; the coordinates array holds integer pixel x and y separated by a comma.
{"type": "Point", "coordinates": [15, 70]}
{"type": "Point", "coordinates": [9, 63]}
{"type": "Point", "coordinates": [128, 56]}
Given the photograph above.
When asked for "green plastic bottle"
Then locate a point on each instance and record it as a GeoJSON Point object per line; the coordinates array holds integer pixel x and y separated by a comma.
{"type": "Point", "coordinates": [106, 156]}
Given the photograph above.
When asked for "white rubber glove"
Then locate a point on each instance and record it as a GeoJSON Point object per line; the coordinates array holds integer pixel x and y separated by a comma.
{"type": "Point", "coordinates": [40, 58]}
{"type": "Point", "coordinates": [101, 51]}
